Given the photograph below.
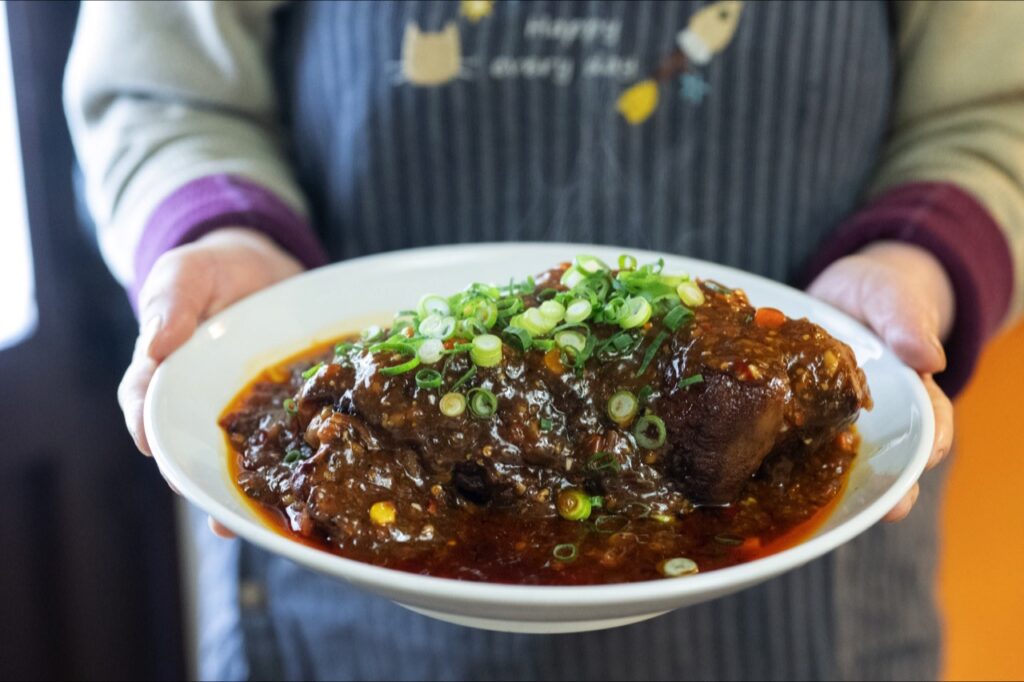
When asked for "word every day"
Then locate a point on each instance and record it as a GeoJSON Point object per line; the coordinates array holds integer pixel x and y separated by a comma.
{"type": "Point", "coordinates": [561, 70]}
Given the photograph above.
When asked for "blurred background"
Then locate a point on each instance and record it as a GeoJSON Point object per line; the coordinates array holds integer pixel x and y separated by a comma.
{"type": "Point", "coordinates": [90, 574]}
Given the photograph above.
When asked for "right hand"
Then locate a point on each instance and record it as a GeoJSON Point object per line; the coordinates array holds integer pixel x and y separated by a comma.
{"type": "Point", "coordinates": [185, 287]}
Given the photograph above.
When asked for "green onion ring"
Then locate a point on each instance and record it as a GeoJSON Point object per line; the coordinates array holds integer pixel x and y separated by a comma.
{"type": "Point", "coordinates": [309, 373]}
{"type": "Point", "coordinates": [482, 402]}
{"type": "Point", "coordinates": [566, 552]}
{"type": "Point", "coordinates": [622, 407]}
{"type": "Point", "coordinates": [643, 425]}
{"type": "Point", "coordinates": [452, 404]}
{"type": "Point", "coordinates": [406, 366]}
{"type": "Point", "coordinates": [428, 378]}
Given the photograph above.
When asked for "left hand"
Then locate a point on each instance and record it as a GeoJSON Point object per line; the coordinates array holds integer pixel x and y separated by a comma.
{"type": "Point", "coordinates": [903, 294]}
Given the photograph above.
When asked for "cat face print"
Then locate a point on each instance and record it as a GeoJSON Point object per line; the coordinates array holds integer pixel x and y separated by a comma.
{"type": "Point", "coordinates": [430, 59]}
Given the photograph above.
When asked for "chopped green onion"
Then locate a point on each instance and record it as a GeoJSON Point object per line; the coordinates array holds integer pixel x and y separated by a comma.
{"type": "Point", "coordinates": [546, 424]}
{"type": "Point", "coordinates": [644, 394]}
{"type": "Point", "coordinates": [428, 378]}
{"type": "Point", "coordinates": [691, 380]}
{"type": "Point", "coordinates": [566, 552]}
{"type": "Point", "coordinates": [469, 327]}
{"type": "Point", "coordinates": [609, 523]}
{"type": "Point", "coordinates": [638, 312]}
{"type": "Point", "coordinates": [518, 338]}
{"type": "Point", "coordinates": [636, 510]}
{"type": "Point", "coordinates": [622, 407]}
{"type": "Point", "coordinates": [437, 326]}
{"type": "Point", "coordinates": [571, 277]}
{"type": "Point", "coordinates": [662, 518]}
{"type": "Point", "coordinates": [543, 344]}
{"type": "Point", "coordinates": [432, 304]}
{"type": "Point", "coordinates": [729, 540]}
{"type": "Point", "coordinates": [552, 311]}
{"type": "Point", "coordinates": [547, 293]}
{"type": "Point", "coordinates": [590, 264]}
{"type": "Point", "coordinates": [573, 505]}
{"type": "Point", "coordinates": [674, 318]}
{"type": "Point", "coordinates": [596, 501]}
{"type": "Point", "coordinates": [289, 406]}
{"type": "Point", "coordinates": [430, 351]}
{"type": "Point", "coordinates": [372, 333]}
{"type": "Point", "coordinates": [535, 322]}
{"type": "Point", "coordinates": [309, 373]}
{"type": "Point", "coordinates": [627, 262]}
{"type": "Point", "coordinates": [578, 311]}
{"type": "Point", "coordinates": [571, 340]}
{"type": "Point", "coordinates": [482, 402]}
{"type": "Point", "coordinates": [406, 366]}
{"type": "Point", "coordinates": [465, 377]}
{"type": "Point", "coordinates": [452, 404]}
{"type": "Point", "coordinates": [674, 568]}
{"type": "Point", "coordinates": [690, 294]}
{"type": "Point", "coordinates": [486, 350]}
{"type": "Point", "coordinates": [652, 350]}
{"type": "Point", "coordinates": [292, 456]}
{"type": "Point", "coordinates": [602, 460]}
{"type": "Point", "coordinates": [642, 428]}
{"type": "Point", "coordinates": [483, 311]}
{"type": "Point", "coordinates": [615, 310]}
{"type": "Point", "coordinates": [343, 348]}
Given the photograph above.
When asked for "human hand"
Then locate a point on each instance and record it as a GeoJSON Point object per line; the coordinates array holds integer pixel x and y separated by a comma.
{"type": "Point", "coordinates": [903, 294]}
{"type": "Point", "coordinates": [185, 287]}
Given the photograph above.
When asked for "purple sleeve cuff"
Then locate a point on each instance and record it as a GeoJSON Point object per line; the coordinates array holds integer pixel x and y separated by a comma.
{"type": "Point", "coordinates": [958, 230]}
{"type": "Point", "coordinates": [208, 203]}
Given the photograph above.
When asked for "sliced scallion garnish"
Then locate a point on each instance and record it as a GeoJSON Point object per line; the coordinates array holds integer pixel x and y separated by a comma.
{"type": "Point", "coordinates": [578, 311]}
{"type": "Point", "coordinates": [309, 373]}
{"type": "Point", "coordinates": [452, 404]}
{"type": "Point", "coordinates": [652, 350]}
{"type": "Point", "coordinates": [642, 432]}
{"type": "Point", "coordinates": [428, 379]}
{"type": "Point", "coordinates": [691, 380]}
{"type": "Point", "coordinates": [402, 368]}
{"type": "Point", "coordinates": [482, 402]}
{"type": "Point", "coordinates": [573, 505]}
{"type": "Point", "coordinates": [486, 350]}
{"type": "Point", "coordinates": [464, 378]}
{"type": "Point", "coordinates": [432, 304]}
{"type": "Point", "coordinates": [622, 407]}
{"type": "Point", "coordinates": [565, 552]}
{"type": "Point", "coordinates": [603, 460]}
{"type": "Point", "coordinates": [430, 351]}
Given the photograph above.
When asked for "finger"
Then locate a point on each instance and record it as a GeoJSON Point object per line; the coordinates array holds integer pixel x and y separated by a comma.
{"type": "Point", "coordinates": [173, 301]}
{"type": "Point", "coordinates": [903, 507]}
{"type": "Point", "coordinates": [910, 329]}
{"type": "Point", "coordinates": [131, 396]}
{"type": "Point", "coordinates": [219, 529]}
{"type": "Point", "coordinates": [943, 409]}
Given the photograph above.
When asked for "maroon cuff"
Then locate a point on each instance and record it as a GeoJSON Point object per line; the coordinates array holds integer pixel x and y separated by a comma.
{"type": "Point", "coordinates": [208, 203]}
{"type": "Point", "coordinates": [953, 226]}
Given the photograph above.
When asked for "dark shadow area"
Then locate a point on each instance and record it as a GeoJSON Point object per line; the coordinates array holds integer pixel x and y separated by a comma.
{"type": "Point", "coordinates": [89, 583]}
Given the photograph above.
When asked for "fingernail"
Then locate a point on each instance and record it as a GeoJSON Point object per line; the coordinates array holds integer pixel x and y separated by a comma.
{"type": "Point", "coordinates": [148, 332]}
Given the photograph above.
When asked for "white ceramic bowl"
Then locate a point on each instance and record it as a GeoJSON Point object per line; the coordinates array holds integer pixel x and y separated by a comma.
{"type": "Point", "coordinates": [193, 386]}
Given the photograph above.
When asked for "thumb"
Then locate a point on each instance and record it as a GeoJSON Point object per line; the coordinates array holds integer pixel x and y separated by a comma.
{"type": "Point", "coordinates": [909, 327]}
{"type": "Point", "coordinates": [173, 301]}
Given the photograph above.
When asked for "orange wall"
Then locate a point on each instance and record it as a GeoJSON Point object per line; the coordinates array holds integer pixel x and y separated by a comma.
{"type": "Point", "coordinates": [981, 581]}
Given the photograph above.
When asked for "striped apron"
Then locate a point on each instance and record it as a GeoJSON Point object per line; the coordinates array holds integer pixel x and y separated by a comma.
{"type": "Point", "coordinates": [736, 132]}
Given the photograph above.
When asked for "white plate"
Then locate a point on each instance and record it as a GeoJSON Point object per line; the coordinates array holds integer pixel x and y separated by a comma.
{"type": "Point", "coordinates": [193, 386]}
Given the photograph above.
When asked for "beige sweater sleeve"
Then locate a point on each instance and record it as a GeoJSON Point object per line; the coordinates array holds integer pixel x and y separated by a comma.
{"type": "Point", "coordinates": [959, 114]}
{"type": "Point", "coordinates": [160, 93]}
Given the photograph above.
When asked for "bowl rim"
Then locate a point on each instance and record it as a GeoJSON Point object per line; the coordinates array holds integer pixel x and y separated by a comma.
{"type": "Point", "coordinates": [542, 597]}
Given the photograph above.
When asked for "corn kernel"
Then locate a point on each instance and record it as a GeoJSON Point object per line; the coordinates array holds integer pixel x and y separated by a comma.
{"type": "Point", "coordinates": [383, 513]}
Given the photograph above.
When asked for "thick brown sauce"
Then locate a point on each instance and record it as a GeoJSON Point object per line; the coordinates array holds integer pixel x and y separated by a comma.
{"type": "Point", "coordinates": [769, 517]}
